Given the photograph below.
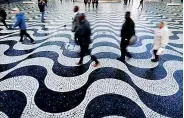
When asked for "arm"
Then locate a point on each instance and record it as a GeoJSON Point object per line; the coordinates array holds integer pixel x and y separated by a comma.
{"type": "Point", "coordinates": [165, 38]}
{"type": "Point", "coordinates": [122, 30]}
{"type": "Point", "coordinates": [16, 23]}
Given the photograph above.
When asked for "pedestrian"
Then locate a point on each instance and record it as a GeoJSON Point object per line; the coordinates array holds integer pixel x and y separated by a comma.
{"type": "Point", "coordinates": [127, 31]}
{"type": "Point", "coordinates": [75, 22]}
{"type": "Point", "coordinates": [83, 34]}
{"type": "Point", "coordinates": [141, 4]}
{"type": "Point", "coordinates": [160, 41]}
{"type": "Point", "coordinates": [20, 21]}
{"type": "Point", "coordinates": [3, 16]}
{"type": "Point", "coordinates": [41, 6]}
{"type": "Point", "coordinates": [95, 2]}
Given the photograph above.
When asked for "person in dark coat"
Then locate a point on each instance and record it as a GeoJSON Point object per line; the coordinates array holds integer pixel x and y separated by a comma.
{"type": "Point", "coordinates": [41, 6]}
{"type": "Point", "coordinates": [3, 16]}
{"type": "Point", "coordinates": [83, 34]}
{"type": "Point", "coordinates": [20, 21]}
{"type": "Point", "coordinates": [127, 31]}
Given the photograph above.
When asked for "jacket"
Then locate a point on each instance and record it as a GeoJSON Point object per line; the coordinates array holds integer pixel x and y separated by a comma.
{"type": "Point", "coordinates": [75, 22]}
{"type": "Point", "coordinates": [83, 33]}
{"type": "Point", "coordinates": [128, 29]}
{"type": "Point", "coordinates": [20, 21]}
{"type": "Point", "coordinates": [161, 38]}
{"type": "Point", "coordinates": [3, 14]}
{"type": "Point", "coordinates": [41, 6]}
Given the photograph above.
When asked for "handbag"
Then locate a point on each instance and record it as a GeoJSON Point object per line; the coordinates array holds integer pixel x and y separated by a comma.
{"type": "Point", "coordinates": [133, 40]}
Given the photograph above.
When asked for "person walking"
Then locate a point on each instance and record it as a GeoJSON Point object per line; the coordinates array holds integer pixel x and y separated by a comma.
{"type": "Point", "coordinates": [20, 21]}
{"type": "Point", "coordinates": [127, 31]}
{"type": "Point", "coordinates": [141, 4]}
{"type": "Point", "coordinates": [3, 16]}
{"type": "Point", "coordinates": [95, 2]}
{"type": "Point", "coordinates": [75, 22]}
{"type": "Point", "coordinates": [83, 34]}
{"type": "Point", "coordinates": [41, 6]}
{"type": "Point", "coordinates": [160, 41]}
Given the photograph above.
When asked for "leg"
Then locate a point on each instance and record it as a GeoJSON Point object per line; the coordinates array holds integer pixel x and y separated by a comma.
{"type": "Point", "coordinates": [4, 22]}
{"type": "Point", "coordinates": [123, 52]}
{"type": "Point", "coordinates": [29, 37]}
{"type": "Point", "coordinates": [142, 6]}
{"type": "Point", "coordinates": [84, 50]}
{"type": "Point", "coordinates": [96, 4]}
{"type": "Point", "coordinates": [156, 56]}
{"type": "Point", "coordinates": [139, 6]}
{"type": "Point", "coordinates": [21, 35]}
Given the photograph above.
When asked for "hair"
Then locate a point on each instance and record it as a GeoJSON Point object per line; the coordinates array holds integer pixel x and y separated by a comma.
{"type": "Point", "coordinates": [163, 23]}
{"type": "Point", "coordinates": [77, 8]}
{"type": "Point", "coordinates": [127, 14]}
{"type": "Point", "coordinates": [82, 16]}
{"type": "Point", "coordinates": [16, 9]}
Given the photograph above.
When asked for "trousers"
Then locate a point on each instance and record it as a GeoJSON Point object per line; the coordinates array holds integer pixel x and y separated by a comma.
{"type": "Point", "coordinates": [85, 51]}
{"type": "Point", "coordinates": [24, 32]}
{"type": "Point", "coordinates": [123, 47]}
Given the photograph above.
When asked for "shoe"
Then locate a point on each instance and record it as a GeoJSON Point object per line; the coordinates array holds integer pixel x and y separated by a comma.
{"type": "Point", "coordinates": [79, 63]}
{"type": "Point", "coordinates": [96, 64]}
{"type": "Point", "coordinates": [20, 40]}
{"type": "Point", "coordinates": [154, 60]}
{"type": "Point", "coordinates": [129, 56]}
{"type": "Point", "coordinates": [33, 42]}
{"type": "Point", "coordinates": [121, 60]}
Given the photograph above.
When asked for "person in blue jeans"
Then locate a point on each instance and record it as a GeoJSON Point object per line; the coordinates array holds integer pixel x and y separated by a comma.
{"type": "Point", "coordinates": [20, 21]}
{"type": "Point", "coordinates": [41, 6]}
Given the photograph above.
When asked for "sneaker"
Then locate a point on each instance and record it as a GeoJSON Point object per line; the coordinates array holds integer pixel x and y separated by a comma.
{"type": "Point", "coordinates": [33, 42]}
{"type": "Point", "coordinates": [154, 60]}
{"type": "Point", "coordinates": [96, 64]}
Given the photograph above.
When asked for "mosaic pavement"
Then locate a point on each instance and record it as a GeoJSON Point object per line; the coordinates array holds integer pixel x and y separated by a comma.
{"type": "Point", "coordinates": [43, 81]}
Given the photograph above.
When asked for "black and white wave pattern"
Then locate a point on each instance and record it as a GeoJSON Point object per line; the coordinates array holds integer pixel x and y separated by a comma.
{"type": "Point", "coordinates": [43, 81]}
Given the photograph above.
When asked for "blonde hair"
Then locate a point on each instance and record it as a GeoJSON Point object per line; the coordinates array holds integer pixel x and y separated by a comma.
{"type": "Point", "coordinates": [15, 9]}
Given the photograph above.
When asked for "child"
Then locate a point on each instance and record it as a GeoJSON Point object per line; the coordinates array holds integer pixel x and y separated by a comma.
{"type": "Point", "coordinates": [20, 21]}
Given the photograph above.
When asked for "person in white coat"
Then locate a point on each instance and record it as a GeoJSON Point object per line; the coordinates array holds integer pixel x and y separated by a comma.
{"type": "Point", "coordinates": [160, 41]}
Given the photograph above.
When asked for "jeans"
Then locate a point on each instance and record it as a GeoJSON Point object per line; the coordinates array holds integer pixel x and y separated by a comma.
{"type": "Point", "coordinates": [124, 52]}
{"type": "Point", "coordinates": [42, 15]}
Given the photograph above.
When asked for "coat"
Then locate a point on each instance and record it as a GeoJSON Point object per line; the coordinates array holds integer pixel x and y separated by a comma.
{"type": "Point", "coordinates": [41, 6]}
{"type": "Point", "coordinates": [128, 29]}
{"type": "Point", "coordinates": [75, 22]}
{"type": "Point", "coordinates": [83, 33]}
{"type": "Point", "coordinates": [20, 21]}
{"type": "Point", "coordinates": [3, 14]}
{"type": "Point", "coordinates": [161, 38]}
